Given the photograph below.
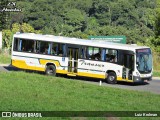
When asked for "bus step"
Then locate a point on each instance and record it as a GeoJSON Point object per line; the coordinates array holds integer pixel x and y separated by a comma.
{"type": "Point", "coordinates": [71, 74]}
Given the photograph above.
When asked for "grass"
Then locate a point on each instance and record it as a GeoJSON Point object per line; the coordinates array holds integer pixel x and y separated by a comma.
{"type": "Point", "coordinates": [156, 61]}
{"type": "Point", "coordinates": [5, 58]}
{"type": "Point", "coordinates": [22, 91]}
{"type": "Point", "coordinates": [156, 73]}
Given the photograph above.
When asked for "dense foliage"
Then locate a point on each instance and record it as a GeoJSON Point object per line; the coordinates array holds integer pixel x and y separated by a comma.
{"type": "Point", "coordinates": [8, 33]}
{"type": "Point", "coordinates": [138, 20]}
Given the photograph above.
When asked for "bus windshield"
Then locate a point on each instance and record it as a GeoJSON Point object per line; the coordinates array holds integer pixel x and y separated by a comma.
{"type": "Point", "coordinates": [144, 60]}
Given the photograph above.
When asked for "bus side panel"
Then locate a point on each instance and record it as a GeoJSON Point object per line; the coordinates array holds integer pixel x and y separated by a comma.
{"type": "Point", "coordinates": [90, 68]}
{"type": "Point", "coordinates": [99, 69]}
{"type": "Point", "coordinates": [27, 63]}
{"type": "Point", "coordinates": [38, 62]}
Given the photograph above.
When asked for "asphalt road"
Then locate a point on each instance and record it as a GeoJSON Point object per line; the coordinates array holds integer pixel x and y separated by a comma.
{"type": "Point", "coordinates": [151, 86]}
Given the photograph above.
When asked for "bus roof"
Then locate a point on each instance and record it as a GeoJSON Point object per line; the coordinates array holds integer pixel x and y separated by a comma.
{"type": "Point", "coordinates": [77, 41]}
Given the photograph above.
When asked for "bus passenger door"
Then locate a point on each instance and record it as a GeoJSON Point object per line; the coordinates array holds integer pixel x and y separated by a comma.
{"type": "Point", "coordinates": [128, 68]}
{"type": "Point", "coordinates": [73, 60]}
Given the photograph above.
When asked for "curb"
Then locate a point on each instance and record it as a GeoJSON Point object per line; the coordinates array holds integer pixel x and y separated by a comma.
{"type": "Point", "coordinates": [5, 65]}
{"type": "Point", "coordinates": [156, 78]}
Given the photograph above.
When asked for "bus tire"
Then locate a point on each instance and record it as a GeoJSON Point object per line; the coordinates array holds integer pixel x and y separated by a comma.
{"type": "Point", "coordinates": [112, 78]}
{"type": "Point", "coordinates": [51, 70]}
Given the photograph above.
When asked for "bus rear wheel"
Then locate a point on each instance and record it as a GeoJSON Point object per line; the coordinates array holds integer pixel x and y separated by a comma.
{"type": "Point", "coordinates": [112, 78]}
{"type": "Point", "coordinates": [51, 70]}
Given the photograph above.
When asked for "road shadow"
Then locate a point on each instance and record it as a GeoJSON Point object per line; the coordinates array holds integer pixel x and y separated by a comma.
{"type": "Point", "coordinates": [11, 68]}
{"type": "Point", "coordinates": [94, 80]}
{"type": "Point", "coordinates": [132, 84]}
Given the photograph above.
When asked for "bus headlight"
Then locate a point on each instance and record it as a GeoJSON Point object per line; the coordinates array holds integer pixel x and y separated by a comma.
{"type": "Point", "coordinates": [138, 74]}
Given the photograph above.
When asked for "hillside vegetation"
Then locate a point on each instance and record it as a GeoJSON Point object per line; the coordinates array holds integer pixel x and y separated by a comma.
{"type": "Point", "coordinates": [138, 20]}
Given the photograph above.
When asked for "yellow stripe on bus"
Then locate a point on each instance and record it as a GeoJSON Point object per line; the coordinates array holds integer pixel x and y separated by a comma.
{"type": "Point", "coordinates": [91, 75]}
{"type": "Point", "coordinates": [22, 64]}
{"type": "Point", "coordinates": [126, 80]}
{"type": "Point", "coordinates": [44, 62]}
{"type": "Point", "coordinates": [62, 71]}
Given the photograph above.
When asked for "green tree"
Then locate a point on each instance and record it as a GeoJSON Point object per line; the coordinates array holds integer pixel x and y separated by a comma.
{"type": "Point", "coordinates": [92, 24]}
{"type": "Point", "coordinates": [158, 18]}
{"type": "Point", "coordinates": [101, 10]}
{"type": "Point", "coordinates": [156, 40]}
{"type": "Point", "coordinates": [16, 27]}
{"type": "Point", "coordinates": [136, 19]}
{"type": "Point", "coordinates": [7, 36]}
{"type": "Point", "coordinates": [74, 20]}
{"type": "Point", "coordinates": [4, 16]}
{"type": "Point", "coordinates": [40, 14]}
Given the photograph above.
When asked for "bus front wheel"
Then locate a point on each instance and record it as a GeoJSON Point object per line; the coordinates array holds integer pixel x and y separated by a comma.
{"type": "Point", "coordinates": [51, 70]}
{"type": "Point", "coordinates": [112, 78]}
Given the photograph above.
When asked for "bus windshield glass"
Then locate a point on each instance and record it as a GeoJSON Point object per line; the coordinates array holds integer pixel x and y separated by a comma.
{"type": "Point", "coordinates": [144, 60]}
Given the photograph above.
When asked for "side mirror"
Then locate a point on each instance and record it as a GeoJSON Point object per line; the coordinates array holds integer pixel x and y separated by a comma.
{"type": "Point", "coordinates": [137, 64]}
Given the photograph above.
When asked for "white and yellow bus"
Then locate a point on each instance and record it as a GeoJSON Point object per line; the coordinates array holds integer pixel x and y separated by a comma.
{"type": "Point", "coordinates": [78, 57]}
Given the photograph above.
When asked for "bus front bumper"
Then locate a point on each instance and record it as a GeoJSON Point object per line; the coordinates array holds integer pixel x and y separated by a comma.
{"type": "Point", "coordinates": [139, 79]}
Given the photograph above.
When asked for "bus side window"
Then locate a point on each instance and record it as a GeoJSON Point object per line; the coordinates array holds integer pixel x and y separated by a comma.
{"type": "Point", "coordinates": [54, 49]}
{"type": "Point", "coordinates": [64, 50]}
{"type": "Point", "coordinates": [20, 45]}
{"type": "Point", "coordinates": [94, 53]}
{"type": "Point", "coordinates": [90, 53]}
{"type": "Point", "coordinates": [112, 55]}
{"type": "Point", "coordinates": [83, 54]}
{"type": "Point", "coordinates": [49, 49]}
{"type": "Point", "coordinates": [103, 56]}
{"type": "Point", "coordinates": [37, 47]}
{"type": "Point", "coordinates": [60, 49]}
{"type": "Point", "coordinates": [15, 47]}
{"type": "Point", "coordinates": [44, 47]}
{"type": "Point", "coordinates": [27, 46]}
{"type": "Point", "coordinates": [23, 45]}
{"type": "Point", "coordinates": [97, 54]}
{"type": "Point", "coordinates": [30, 46]}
